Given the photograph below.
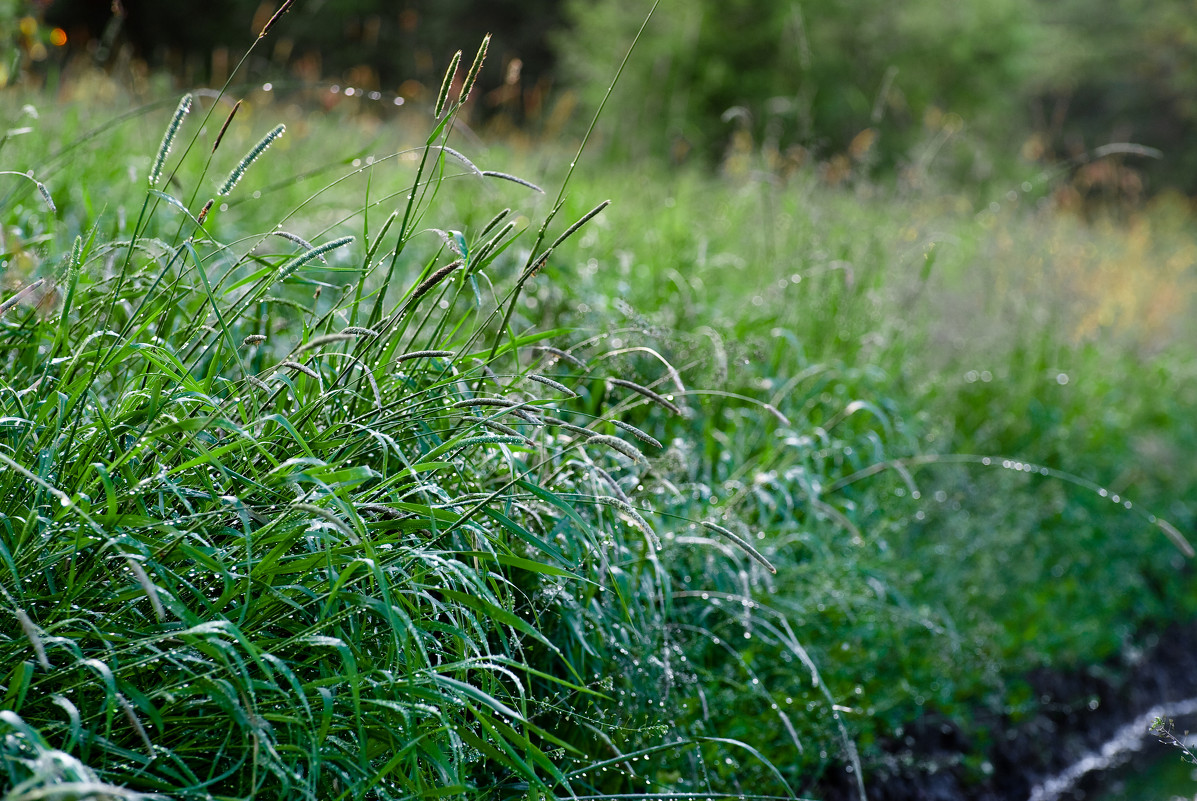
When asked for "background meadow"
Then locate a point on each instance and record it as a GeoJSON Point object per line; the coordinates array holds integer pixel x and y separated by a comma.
{"type": "Point", "coordinates": [410, 468]}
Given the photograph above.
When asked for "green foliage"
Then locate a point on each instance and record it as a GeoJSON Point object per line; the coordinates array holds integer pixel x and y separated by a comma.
{"type": "Point", "coordinates": [287, 528]}
{"type": "Point", "coordinates": [952, 487]}
{"type": "Point", "coordinates": [809, 74]}
{"type": "Point", "coordinates": [335, 494]}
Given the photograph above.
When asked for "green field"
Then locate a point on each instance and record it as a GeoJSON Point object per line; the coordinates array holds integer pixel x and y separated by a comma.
{"type": "Point", "coordinates": [396, 478]}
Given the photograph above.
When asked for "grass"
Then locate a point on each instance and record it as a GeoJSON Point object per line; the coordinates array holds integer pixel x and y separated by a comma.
{"type": "Point", "coordinates": [293, 518]}
{"type": "Point", "coordinates": [348, 492]}
{"type": "Point", "coordinates": [870, 320]}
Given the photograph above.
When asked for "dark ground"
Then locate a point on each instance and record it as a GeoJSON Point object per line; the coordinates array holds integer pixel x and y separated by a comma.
{"type": "Point", "coordinates": [929, 762]}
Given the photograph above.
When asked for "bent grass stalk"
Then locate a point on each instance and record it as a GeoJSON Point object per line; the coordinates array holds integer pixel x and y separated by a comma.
{"type": "Point", "coordinates": [742, 543]}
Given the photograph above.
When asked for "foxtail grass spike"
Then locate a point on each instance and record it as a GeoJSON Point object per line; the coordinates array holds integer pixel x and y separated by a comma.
{"type": "Point", "coordinates": [496, 425]}
{"type": "Point", "coordinates": [382, 232]}
{"type": "Point", "coordinates": [634, 515]}
{"type": "Point", "coordinates": [315, 253]}
{"type": "Point", "coordinates": [638, 434]}
{"type": "Point", "coordinates": [426, 354]}
{"type": "Point", "coordinates": [506, 403]}
{"type": "Point", "coordinates": [443, 94]}
{"type": "Point", "coordinates": [617, 444]}
{"type": "Point", "coordinates": [655, 397]}
{"type": "Point", "coordinates": [168, 138]}
{"type": "Point", "coordinates": [565, 425]}
{"type": "Point", "coordinates": [45, 193]}
{"type": "Point", "coordinates": [573, 229]}
{"type": "Point", "coordinates": [744, 545]}
{"type": "Point", "coordinates": [469, 165]}
{"type": "Point", "coordinates": [301, 368]}
{"type": "Point", "coordinates": [549, 382]}
{"type": "Point", "coordinates": [429, 282]}
{"type": "Point", "coordinates": [283, 9]}
{"type": "Point", "coordinates": [249, 159]}
{"type": "Point", "coordinates": [203, 215]}
{"type": "Point", "coordinates": [296, 238]}
{"type": "Point", "coordinates": [225, 127]}
{"type": "Point", "coordinates": [472, 75]}
{"type": "Point", "coordinates": [563, 355]}
{"type": "Point", "coordinates": [388, 512]}
{"type": "Point", "coordinates": [494, 221]}
{"type": "Point", "coordinates": [515, 179]}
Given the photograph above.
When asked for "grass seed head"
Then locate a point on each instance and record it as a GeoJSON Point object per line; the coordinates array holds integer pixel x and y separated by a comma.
{"type": "Point", "coordinates": [301, 368]}
{"type": "Point", "coordinates": [425, 354]}
{"type": "Point", "coordinates": [640, 389]}
{"type": "Point", "coordinates": [249, 159]}
{"type": "Point", "coordinates": [744, 544]}
{"type": "Point", "coordinates": [563, 355]}
{"type": "Point", "coordinates": [638, 434]}
{"type": "Point", "coordinates": [297, 239]}
{"type": "Point", "coordinates": [515, 179]}
{"type": "Point", "coordinates": [443, 95]}
{"type": "Point", "coordinates": [469, 165]}
{"type": "Point", "coordinates": [168, 139]}
{"type": "Point", "coordinates": [283, 9]}
{"type": "Point", "coordinates": [549, 382]}
{"type": "Point", "coordinates": [428, 283]}
{"type": "Point", "coordinates": [225, 127]}
{"type": "Point", "coordinates": [619, 445]}
{"type": "Point", "coordinates": [290, 267]}
{"type": "Point", "coordinates": [45, 193]}
{"type": "Point", "coordinates": [472, 75]}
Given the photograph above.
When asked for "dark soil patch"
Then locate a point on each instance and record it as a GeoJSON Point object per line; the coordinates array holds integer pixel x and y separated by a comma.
{"type": "Point", "coordinates": [1078, 712]}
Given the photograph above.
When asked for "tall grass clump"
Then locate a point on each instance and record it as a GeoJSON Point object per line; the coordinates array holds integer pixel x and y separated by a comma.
{"type": "Point", "coordinates": [311, 516]}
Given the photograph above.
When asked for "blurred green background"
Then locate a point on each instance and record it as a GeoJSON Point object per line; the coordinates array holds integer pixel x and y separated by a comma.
{"type": "Point", "coordinates": [985, 88]}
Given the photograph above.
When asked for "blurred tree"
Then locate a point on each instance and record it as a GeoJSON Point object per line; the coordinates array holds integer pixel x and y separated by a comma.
{"type": "Point", "coordinates": [378, 44]}
{"type": "Point", "coordinates": [870, 83]}
{"type": "Point", "coordinates": [1126, 70]}
{"type": "Point", "coordinates": [812, 74]}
